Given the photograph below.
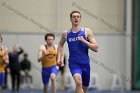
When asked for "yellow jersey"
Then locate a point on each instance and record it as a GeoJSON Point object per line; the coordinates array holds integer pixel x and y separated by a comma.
{"type": "Point", "coordinates": [49, 59]}
{"type": "Point", "coordinates": [2, 53]}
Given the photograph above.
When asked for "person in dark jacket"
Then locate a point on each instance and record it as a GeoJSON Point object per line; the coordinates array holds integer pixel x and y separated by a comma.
{"type": "Point", "coordinates": [14, 66]}
{"type": "Point", "coordinates": [25, 70]}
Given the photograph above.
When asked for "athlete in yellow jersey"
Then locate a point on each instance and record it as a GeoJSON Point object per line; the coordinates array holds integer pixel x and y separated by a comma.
{"type": "Point", "coordinates": [47, 56]}
{"type": "Point", "coordinates": [4, 59]}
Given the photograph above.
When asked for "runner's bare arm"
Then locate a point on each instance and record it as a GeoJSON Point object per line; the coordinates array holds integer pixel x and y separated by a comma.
{"type": "Point", "coordinates": [92, 44]}
{"type": "Point", "coordinates": [60, 54]}
{"type": "Point", "coordinates": [6, 56]}
{"type": "Point", "coordinates": [40, 53]}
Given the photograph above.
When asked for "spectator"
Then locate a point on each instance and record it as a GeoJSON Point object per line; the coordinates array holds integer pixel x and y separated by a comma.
{"type": "Point", "coordinates": [14, 66]}
{"type": "Point", "coordinates": [25, 70]}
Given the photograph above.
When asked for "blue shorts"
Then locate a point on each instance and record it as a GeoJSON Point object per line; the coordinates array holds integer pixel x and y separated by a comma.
{"type": "Point", "coordinates": [46, 72]}
{"type": "Point", "coordinates": [83, 70]}
{"type": "Point", "coordinates": [1, 78]}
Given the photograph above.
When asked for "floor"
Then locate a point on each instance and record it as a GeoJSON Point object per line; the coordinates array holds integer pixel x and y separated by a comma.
{"type": "Point", "coordinates": [68, 91]}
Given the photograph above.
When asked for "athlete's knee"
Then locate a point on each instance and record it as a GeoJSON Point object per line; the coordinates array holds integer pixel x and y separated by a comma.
{"type": "Point", "coordinates": [45, 87]}
{"type": "Point", "coordinates": [53, 77]}
{"type": "Point", "coordinates": [79, 83]}
{"type": "Point", "coordinates": [78, 80]}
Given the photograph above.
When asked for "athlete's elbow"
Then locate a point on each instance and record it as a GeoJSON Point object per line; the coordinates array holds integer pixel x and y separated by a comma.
{"type": "Point", "coordinates": [95, 49]}
{"type": "Point", "coordinates": [38, 59]}
{"type": "Point", "coordinates": [60, 46]}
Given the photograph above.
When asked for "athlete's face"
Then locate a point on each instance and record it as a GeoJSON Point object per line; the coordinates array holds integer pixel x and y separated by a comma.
{"type": "Point", "coordinates": [50, 40]}
{"type": "Point", "coordinates": [75, 19]}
